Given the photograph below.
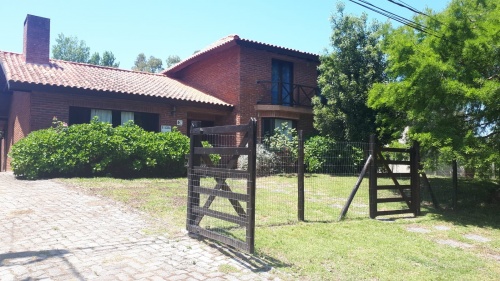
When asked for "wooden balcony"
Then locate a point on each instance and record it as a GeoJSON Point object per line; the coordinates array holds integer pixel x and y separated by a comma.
{"type": "Point", "coordinates": [286, 94]}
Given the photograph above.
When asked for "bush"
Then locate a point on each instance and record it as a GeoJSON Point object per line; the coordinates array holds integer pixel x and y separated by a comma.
{"type": "Point", "coordinates": [267, 162]}
{"type": "Point", "coordinates": [324, 155]}
{"type": "Point", "coordinates": [97, 149]}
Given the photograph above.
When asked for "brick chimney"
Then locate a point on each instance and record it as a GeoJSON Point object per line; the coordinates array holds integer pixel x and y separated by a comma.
{"type": "Point", "coordinates": [36, 42]}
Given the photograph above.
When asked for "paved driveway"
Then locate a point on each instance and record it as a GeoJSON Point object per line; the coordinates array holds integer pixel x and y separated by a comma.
{"type": "Point", "coordinates": [51, 232]}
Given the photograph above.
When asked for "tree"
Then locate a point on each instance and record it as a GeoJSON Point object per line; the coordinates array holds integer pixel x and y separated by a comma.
{"type": "Point", "coordinates": [172, 59]}
{"type": "Point", "coordinates": [72, 49]}
{"type": "Point", "coordinates": [95, 59]}
{"type": "Point", "coordinates": [152, 64]}
{"type": "Point", "coordinates": [346, 75]}
{"type": "Point", "coordinates": [445, 81]}
{"type": "Point", "coordinates": [108, 59]}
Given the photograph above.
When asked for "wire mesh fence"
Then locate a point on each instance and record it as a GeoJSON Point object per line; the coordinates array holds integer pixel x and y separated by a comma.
{"type": "Point", "coordinates": [327, 186]}
{"type": "Point", "coordinates": [325, 191]}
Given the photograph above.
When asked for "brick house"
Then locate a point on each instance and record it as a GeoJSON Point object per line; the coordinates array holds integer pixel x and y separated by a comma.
{"type": "Point", "coordinates": [226, 83]}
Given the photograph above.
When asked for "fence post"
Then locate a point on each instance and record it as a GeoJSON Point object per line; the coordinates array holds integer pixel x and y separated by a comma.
{"type": "Point", "coordinates": [455, 184]}
{"type": "Point", "coordinates": [415, 178]}
{"type": "Point", "coordinates": [300, 176]}
{"type": "Point", "coordinates": [251, 184]}
{"type": "Point", "coordinates": [373, 177]}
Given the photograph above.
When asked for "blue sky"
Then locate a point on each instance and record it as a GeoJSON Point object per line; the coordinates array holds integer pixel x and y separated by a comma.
{"type": "Point", "coordinates": [163, 28]}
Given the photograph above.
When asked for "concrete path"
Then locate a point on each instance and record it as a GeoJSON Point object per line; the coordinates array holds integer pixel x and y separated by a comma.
{"type": "Point", "coordinates": [52, 232]}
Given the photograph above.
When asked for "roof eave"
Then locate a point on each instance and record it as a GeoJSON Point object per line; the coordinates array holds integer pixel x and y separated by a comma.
{"type": "Point", "coordinates": [244, 43]}
{"type": "Point", "coordinates": [30, 87]}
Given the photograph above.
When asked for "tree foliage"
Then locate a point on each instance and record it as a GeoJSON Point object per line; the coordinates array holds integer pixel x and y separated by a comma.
{"type": "Point", "coordinates": [72, 49]}
{"type": "Point", "coordinates": [445, 83]}
{"type": "Point", "coordinates": [172, 60]}
{"type": "Point", "coordinates": [346, 75]}
{"type": "Point", "coordinates": [153, 64]}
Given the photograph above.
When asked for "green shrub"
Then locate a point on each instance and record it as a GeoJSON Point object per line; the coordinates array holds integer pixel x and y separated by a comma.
{"type": "Point", "coordinates": [97, 149]}
{"type": "Point", "coordinates": [324, 155]}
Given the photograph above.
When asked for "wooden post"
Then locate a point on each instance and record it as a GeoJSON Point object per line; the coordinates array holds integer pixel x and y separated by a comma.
{"type": "Point", "coordinates": [455, 184]}
{"type": "Point", "coordinates": [373, 177]}
{"type": "Point", "coordinates": [415, 178]}
{"type": "Point", "coordinates": [252, 168]}
{"type": "Point", "coordinates": [431, 192]}
{"type": "Point", "coordinates": [300, 176]}
{"type": "Point", "coordinates": [355, 188]}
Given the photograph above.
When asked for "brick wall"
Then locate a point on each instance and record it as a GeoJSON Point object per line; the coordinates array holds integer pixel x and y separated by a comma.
{"type": "Point", "coordinates": [256, 65]}
{"type": "Point", "coordinates": [35, 111]}
{"type": "Point", "coordinates": [232, 76]}
{"type": "Point", "coordinates": [19, 120]}
{"type": "Point", "coordinates": [219, 76]}
{"type": "Point", "coordinates": [44, 106]}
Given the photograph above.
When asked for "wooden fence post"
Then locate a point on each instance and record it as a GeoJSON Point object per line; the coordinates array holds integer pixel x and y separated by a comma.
{"type": "Point", "coordinates": [455, 184]}
{"type": "Point", "coordinates": [373, 177]}
{"type": "Point", "coordinates": [300, 176]}
{"type": "Point", "coordinates": [415, 178]}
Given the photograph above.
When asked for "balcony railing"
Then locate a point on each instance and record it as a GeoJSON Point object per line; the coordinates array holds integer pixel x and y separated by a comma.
{"type": "Point", "coordinates": [286, 94]}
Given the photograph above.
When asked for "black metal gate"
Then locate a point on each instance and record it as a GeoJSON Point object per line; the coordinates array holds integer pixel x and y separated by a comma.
{"type": "Point", "coordinates": [404, 183]}
{"type": "Point", "coordinates": [213, 176]}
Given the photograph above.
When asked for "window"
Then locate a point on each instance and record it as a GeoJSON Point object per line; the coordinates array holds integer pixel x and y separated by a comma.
{"type": "Point", "coordinates": [269, 125]}
{"type": "Point", "coordinates": [282, 83]}
{"type": "Point", "coordinates": [147, 121]}
{"type": "Point", "coordinates": [126, 116]}
{"type": "Point", "coordinates": [103, 115]}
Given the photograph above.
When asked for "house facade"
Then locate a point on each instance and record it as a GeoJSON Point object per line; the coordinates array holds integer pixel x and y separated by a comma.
{"type": "Point", "coordinates": [226, 83]}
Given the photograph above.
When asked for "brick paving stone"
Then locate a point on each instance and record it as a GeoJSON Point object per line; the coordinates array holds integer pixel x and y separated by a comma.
{"type": "Point", "coordinates": [53, 232]}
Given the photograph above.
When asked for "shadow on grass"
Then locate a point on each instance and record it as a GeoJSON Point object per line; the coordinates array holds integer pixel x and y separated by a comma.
{"type": "Point", "coordinates": [474, 202]}
{"type": "Point", "coordinates": [256, 263]}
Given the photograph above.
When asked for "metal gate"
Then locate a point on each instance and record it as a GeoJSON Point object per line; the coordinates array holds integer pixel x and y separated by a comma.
{"type": "Point", "coordinates": [404, 183]}
{"type": "Point", "coordinates": [213, 177]}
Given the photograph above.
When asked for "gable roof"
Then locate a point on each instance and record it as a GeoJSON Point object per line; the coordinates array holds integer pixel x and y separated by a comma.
{"type": "Point", "coordinates": [232, 40]}
{"type": "Point", "coordinates": [20, 75]}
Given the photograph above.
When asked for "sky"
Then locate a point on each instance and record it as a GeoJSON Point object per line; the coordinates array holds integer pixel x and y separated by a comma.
{"type": "Point", "coordinates": [163, 28]}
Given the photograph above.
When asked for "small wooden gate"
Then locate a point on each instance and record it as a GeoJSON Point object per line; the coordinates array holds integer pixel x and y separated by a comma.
{"type": "Point", "coordinates": [381, 168]}
{"type": "Point", "coordinates": [201, 166]}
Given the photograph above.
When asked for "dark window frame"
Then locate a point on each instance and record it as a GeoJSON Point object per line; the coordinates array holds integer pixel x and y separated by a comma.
{"type": "Point", "coordinates": [148, 121]}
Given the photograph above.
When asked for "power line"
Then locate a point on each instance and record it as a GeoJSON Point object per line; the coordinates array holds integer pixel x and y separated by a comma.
{"type": "Point", "coordinates": [413, 9]}
{"type": "Point", "coordinates": [400, 19]}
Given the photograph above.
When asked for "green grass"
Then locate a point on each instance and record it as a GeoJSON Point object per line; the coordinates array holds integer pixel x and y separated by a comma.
{"type": "Point", "coordinates": [440, 245]}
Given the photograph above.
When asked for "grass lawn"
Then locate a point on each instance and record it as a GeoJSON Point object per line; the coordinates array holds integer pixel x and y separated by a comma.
{"type": "Point", "coordinates": [440, 245]}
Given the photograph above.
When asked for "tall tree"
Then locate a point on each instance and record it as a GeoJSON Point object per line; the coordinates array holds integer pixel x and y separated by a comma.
{"type": "Point", "coordinates": [72, 49]}
{"type": "Point", "coordinates": [95, 59]}
{"type": "Point", "coordinates": [445, 80]}
{"type": "Point", "coordinates": [347, 73]}
{"type": "Point", "coordinates": [152, 64]}
{"type": "Point", "coordinates": [108, 59]}
{"type": "Point", "coordinates": [172, 59]}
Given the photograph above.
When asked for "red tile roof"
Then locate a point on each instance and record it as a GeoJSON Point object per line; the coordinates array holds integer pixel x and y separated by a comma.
{"type": "Point", "coordinates": [97, 78]}
{"type": "Point", "coordinates": [232, 40]}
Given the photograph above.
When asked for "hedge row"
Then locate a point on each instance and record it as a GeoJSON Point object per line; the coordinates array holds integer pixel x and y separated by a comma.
{"type": "Point", "coordinates": [98, 149]}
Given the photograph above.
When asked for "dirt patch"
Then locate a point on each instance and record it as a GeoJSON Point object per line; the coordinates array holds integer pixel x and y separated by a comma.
{"type": "Point", "coordinates": [477, 238]}
{"type": "Point", "coordinates": [418, 229]}
{"type": "Point", "coordinates": [454, 244]}
{"type": "Point", "coordinates": [495, 257]}
{"type": "Point", "coordinates": [442, 227]}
